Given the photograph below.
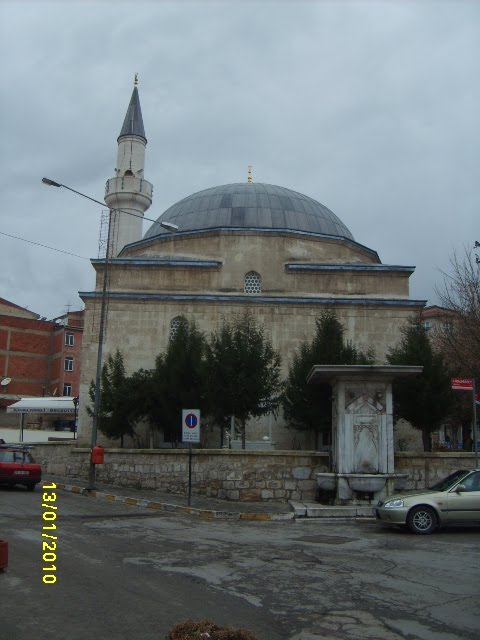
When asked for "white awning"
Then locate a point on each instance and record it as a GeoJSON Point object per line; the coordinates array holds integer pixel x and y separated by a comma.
{"type": "Point", "coordinates": [42, 405]}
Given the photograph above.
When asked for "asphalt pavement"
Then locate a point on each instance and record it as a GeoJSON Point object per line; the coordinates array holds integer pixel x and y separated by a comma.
{"type": "Point", "coordinates": [128, 571]}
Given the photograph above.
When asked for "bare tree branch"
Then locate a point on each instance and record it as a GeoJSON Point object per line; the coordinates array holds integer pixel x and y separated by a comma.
{"type": "Point", "coordinates": [459, 339]}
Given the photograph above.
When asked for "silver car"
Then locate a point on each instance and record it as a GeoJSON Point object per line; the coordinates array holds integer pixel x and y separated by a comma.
{"type": "Point", "coordinates": [453, 500]}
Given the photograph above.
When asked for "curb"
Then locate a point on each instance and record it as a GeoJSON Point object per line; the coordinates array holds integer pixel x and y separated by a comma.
{"type": "Point", "coordinates": [206, 514]}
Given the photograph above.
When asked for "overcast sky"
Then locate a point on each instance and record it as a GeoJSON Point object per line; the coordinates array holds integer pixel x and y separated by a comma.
{"type": "Point", "coordinates": [371, 108]}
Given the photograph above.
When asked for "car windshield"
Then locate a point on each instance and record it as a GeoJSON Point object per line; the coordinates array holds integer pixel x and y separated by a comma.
{"type": "Point", "coordinates": [449, 481]}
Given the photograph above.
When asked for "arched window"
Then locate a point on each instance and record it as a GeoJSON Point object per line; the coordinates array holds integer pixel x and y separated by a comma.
{"type": "Point", "coordinates": [175, 324]}
{"type": "Point", "coordinates": [128, 172]}
{"type": "Point", "coordinates": [253, 283]}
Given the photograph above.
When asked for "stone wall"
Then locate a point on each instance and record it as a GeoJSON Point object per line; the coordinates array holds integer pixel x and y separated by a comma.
{"type": "Point", "coordinates": [425, 469]}
{"type": "Point", "coordinates": [54, 457]}
{"type": "Point", "coordinates": [233, 475]}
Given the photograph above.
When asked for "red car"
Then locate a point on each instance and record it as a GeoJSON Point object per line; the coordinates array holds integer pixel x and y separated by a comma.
{"type": "Point", "coordinates": [18, 467]}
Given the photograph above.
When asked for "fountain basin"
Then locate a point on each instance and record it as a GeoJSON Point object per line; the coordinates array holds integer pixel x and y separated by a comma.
{"type": "Point", "coordinates": [326, 481]}
{"type": "Point", "coordinates": [370, 482]}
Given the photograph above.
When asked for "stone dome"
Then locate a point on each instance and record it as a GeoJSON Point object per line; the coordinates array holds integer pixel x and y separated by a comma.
{"type": "Point", "coordinates": [251, 206]}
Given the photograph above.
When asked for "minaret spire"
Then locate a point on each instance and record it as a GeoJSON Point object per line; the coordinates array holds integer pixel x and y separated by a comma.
{"type": "Point", "coordinates": [133, 123]}
{"type": "Point", "coordinates": [128, 191]}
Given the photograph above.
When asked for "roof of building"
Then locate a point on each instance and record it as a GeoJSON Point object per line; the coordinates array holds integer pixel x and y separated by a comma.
{"type": "Point", "coordinates": [133, 123]}
{"type": "Point", "coordinates": [251, 206]}
{"type": "Point", "coordinates": [11, 305]}
{"type": "Point", "coordinates": [435, 311]}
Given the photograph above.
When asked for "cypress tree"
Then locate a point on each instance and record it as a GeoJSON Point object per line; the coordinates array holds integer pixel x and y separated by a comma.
{"type": "Point", "coordinates": [423, 400]}
{"type": "Point", "coordinates": [308, 407]}
{"type": "Point", "coordinates": [243, 372]}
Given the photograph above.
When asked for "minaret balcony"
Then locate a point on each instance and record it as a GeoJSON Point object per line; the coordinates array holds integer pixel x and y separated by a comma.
{"type": "Point", "coordinates": [127, 189]}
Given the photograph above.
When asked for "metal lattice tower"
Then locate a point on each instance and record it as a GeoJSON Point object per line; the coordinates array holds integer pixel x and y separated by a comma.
{"type": "Point", "coordinates": [108, 231]}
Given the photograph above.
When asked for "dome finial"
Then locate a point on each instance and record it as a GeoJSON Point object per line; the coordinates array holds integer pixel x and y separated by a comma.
{"type": "Point", "coordinates": [135, 82]}
{"type": "Point", "coordinates": [249, 178]}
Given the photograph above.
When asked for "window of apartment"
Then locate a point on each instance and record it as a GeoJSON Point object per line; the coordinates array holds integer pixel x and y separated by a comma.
{"type": "Point", "coordinates": [67, 389]}
{"type": "Point", "coordinates": [253, 283]}
{"type": "Point", "coordinates": [68, 364]}
{"type": "Point", "coordinates": [427, 325]}
{"type": "Point", "coordinates": [69, 339]}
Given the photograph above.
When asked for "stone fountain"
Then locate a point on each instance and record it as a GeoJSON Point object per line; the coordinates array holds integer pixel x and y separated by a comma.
{"type": "Point", "coordinates": [362, 430]}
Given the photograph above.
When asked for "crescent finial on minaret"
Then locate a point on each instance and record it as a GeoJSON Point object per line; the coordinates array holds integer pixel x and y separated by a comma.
{"type": "Point", "coordinates": [135, 82]}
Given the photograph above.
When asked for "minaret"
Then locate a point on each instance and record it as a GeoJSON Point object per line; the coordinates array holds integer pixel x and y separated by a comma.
{"type": "Point", "coordinates": [128, 191]}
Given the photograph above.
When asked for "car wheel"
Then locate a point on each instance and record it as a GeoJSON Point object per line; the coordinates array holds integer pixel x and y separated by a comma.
{"type": "Point", "coordinates": [422, 520]}
{"type": "Point", "coordinates": [31, 487]}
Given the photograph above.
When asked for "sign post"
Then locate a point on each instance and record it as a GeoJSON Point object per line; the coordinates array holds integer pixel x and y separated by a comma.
{"type": "Point", "coordinates": [475, 445]}
{"type": "Point", "coordinates": [22, 425]}
{"type": "Point", "coordinates": [190, 434]}
{"type": "Point", "coordinates": [468, 384]}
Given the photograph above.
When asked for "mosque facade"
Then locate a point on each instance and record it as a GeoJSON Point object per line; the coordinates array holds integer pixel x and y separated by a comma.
{"type": "Point", "coordinates": [228, 248]}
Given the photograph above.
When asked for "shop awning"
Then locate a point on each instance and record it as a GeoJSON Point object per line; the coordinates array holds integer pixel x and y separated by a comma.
{"type": "Point", "coordinates": [42, 405]}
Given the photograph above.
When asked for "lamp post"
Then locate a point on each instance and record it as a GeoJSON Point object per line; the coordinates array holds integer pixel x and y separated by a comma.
{"type": "Point", "coordinates": [76, 400]}
{"type": "Point", "coordinates": [169, 226]}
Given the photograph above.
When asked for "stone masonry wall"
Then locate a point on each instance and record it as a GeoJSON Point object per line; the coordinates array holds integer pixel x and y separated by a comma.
{"type": "Point", "coordinates": [233, 475]}
{"type": "Point", "coordinates": [425, 469]}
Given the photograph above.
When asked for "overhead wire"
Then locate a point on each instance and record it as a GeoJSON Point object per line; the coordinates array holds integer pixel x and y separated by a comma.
{"type": "Point", "coordinates": [45, 246]}
{"type": "Point", "coordinates": [70, 253]}
{"type": "Point", "coordinates": [84, 195]}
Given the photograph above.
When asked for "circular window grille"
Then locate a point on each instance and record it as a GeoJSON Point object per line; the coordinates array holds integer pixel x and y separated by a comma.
{"type": "Point", "coordinates": [253, 283]}
{"type": "Point", "coordinates": [175, 324]}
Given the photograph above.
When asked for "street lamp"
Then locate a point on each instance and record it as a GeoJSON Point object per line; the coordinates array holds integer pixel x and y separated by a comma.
{"type": "Point", "coordinates": [169, 226]}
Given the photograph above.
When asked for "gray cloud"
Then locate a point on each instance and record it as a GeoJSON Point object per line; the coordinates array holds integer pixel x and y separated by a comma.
{"type": "Point", "coordinates": [369, 107]}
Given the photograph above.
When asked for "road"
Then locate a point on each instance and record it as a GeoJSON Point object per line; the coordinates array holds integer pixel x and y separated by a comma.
{"type": "Point", "coordinates": [127, 572]}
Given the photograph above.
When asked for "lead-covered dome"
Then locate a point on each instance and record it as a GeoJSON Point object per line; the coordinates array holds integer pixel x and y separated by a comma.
{"type": "Point", "coordinates": [251, 206]}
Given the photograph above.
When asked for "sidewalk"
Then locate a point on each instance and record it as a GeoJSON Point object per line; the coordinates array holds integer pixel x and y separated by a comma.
{"type": "Point", "coordinates": [208, 508]}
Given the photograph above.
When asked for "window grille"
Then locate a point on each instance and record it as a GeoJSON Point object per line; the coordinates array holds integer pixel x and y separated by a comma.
{"type": "Point", "coordinates": [175, 325]}
{"type": "Point", "coordinates": [253, 283]}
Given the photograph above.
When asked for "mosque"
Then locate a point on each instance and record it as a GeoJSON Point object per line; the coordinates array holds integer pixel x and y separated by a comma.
{"type": "Point", "coordinates": [219, 251]}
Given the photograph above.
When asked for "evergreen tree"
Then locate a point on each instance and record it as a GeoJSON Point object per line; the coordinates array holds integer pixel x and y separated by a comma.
{"type": "Point", "coordinates": [308, 407]}
{"type": "Point", "coordinates": [243, 372]}
{"type": "Point", "coordinates": [177, 382]}
{"type": "Point", "coordinates": [423, 400]}
{"type": "Point", "coordinates": [117, 402]}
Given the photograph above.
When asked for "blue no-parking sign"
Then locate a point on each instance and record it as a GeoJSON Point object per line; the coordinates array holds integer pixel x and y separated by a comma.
{"type": "Point", "coordinates": [191, 425]}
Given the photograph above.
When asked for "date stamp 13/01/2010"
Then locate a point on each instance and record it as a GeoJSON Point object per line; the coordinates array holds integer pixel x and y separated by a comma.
{"type": "Point", "coordinates": [49, 534]}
